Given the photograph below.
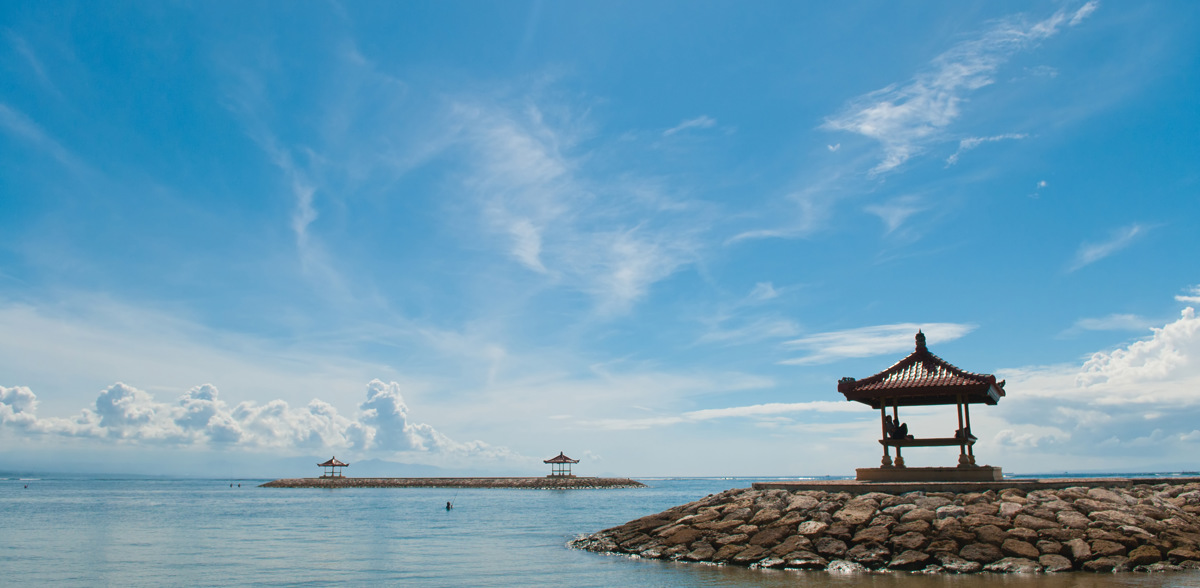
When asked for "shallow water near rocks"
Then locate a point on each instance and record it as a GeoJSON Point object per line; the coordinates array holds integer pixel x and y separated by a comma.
{"type": "Point", "coordinates": [104, 531]}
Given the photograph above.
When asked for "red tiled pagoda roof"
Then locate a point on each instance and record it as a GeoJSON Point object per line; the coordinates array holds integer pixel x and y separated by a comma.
{"type": "Point", "coordinates": [333, 462]}
{"type": "Point", "coordinates": [922, 379]}
{"type": "Point", "coordinates": [560, 459]}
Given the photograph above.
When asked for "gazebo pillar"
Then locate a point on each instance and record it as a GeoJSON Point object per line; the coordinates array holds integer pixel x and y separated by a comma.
{"type": "Point", "coordinates": [887, 459]}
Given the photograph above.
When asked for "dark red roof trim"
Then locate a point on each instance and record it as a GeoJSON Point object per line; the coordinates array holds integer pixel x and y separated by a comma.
{"type": "Point", "coordinates": [560, 459]}
{"type": "Point", "coordinates": [922, 378]}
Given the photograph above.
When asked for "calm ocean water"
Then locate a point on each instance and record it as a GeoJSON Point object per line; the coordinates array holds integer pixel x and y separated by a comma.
{"type": "Point", "coordinates": [106, 532]}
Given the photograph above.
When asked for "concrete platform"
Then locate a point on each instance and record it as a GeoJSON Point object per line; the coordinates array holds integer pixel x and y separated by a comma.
{"type": "Point", "coordinates": [857, 487]}
{"type": "Point", "coordinates": [954, 474]}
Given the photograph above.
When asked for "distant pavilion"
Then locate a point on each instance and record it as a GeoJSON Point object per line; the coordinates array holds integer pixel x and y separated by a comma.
{"type": "Point", "coordinates": [924, 379]}
{"type": "Point", "coordinates": [560, 466]}
{"type": "Point", "coordinates": [331, 468]}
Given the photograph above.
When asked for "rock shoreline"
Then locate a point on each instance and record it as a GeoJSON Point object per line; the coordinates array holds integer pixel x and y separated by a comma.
{"type": "Point", "coordinates": [1142, 527]}
{"type": "Point", "coordinates": [533, 483]}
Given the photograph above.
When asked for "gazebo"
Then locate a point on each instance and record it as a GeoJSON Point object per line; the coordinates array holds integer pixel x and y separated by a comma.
{"type": "Point", "coordinates": [560, 466]}
{"type": "Point", "coordinates": [331, 468]}
{"type": "Point", "coordinates": [924, 379]}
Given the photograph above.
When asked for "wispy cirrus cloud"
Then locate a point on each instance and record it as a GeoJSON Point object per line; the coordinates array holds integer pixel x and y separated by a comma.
{"type": "Point", "coordinates": [970, 143]}
{"type": "Point", "coordinates": [600, 236]}
{"type": "Point", "coordinates": [895, 212]}
{"type": "Point", "coordinates": [1119, 239]}
{"type": "Point", "coordinates": [753, 411]}
{"type": "Point", "coordinates": [17, 123]}
{"type": "Point", "coordinates": [905, 117]}
{"type": "Point", "coordinates": [700, 122]}
{"type": "Point", "coordinates": [870, 341]}
{"type": "Point", "coordinates": [1113, 322]}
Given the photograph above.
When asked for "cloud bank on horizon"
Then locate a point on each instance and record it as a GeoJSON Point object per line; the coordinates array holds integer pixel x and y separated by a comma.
{"type": "Point", "coordinates": [557, 227]}
{"type": "Point", "coordinates": [123, 414]}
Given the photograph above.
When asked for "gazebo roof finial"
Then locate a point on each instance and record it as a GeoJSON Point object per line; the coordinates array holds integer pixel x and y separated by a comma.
{"type": "Point", "coordinates": [920, 340]}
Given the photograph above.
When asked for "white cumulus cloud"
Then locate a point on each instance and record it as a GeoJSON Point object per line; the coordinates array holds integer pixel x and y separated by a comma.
{"type": "Point", "coordinates": [124, 414]}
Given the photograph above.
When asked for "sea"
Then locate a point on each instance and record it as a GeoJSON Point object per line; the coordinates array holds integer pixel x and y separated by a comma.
{"type": "Point", "coordinates": [119, 531]}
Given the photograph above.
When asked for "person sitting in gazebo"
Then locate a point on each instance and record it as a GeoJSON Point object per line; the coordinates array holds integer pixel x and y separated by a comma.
{"type": "Point", "coordinates": [895, 431]}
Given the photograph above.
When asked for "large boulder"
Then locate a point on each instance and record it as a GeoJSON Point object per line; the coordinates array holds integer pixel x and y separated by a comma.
{"type": "Point", "coordinates": [1054, 563]}
{"type": "Point", "coordinates": [871, 555]}
{"type": "Point", "coordinates": [856, 512]}
{"type": "Point", "coordinates": [957, 565]}
{"type": "Point", "coordinates": [909, 541]}
{"type": "Point", "coordinates": [1144, 555]}
{"type": "Point", "coordinates": [1021, 549]}
{"type": "Point", "coordinates": [909, 560]}
{"type": "Point", "coordinates": [984, 553]}
{"type": "Point", "coordinates": [878, 534]}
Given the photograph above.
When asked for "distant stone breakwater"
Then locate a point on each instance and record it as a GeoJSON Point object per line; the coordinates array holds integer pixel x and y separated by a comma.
{"type": "Point", "coordinates": [1140, 527]}
{"type": "Point", "coordinates": [529, 482]}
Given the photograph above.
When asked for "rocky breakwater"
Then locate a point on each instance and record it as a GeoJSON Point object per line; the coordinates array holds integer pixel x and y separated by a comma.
{"type": "Point", "coordinates": [533, 483]}
{"type": "Point", "coordinates": [1140, 528]}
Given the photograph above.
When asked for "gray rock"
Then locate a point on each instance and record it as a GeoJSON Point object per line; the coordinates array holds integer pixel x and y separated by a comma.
{"type": "Point", "coordinates": [917, 514]}
{"type": "Point", "coordinates": [1054, 563]}
{"type": "Point", "coordinates": [805, 560]}
{"type": "Point", "coordinates": [1106, 495]}
{"type": "Point", "coordinates": [855, 513]}
{"type": "Point", "coordinates": [704, 552]}
{"type": "Point", "coordinates": [871, 555]}
{"type": "Point", "coordinates": [899, 510]}
{"type": "Point", "coordinates": [957, 565]}
{"type": "Point", "coordinates": [1072, 519]}
{"type": "Point", "coordinates": [811, 528]}
{"type": "Point", "coordinates": [842, 566]}
{"type": "Point", "coordinates": [933, 502]}
{"type": "Point", "coordinates": [909, 541]}
{"type": "Point", "coordinates": [1158, 567]}
{"type": "Point", "coordinates": [765, 516]}
{"type": "Point", "coordinates": [1078, 550]}
{"type": "Point", "coordinates": [830, 547]}
{"type": "Point", "coordinates": [1014, 565]}
{"type": "Point", "coordinates": [1009, 509]}
{"type": "Point", "coordinates": [1034, 523]}
{"type": "Point", "coordinates": [950, 511]}
{"type": "Point", "coordinates": [801, 502]}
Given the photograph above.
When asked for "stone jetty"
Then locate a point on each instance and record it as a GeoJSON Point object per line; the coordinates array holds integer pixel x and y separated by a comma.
{"type": "Point", "coordinates": [1114, 525]}
{"type": "Point", "coordinates": [543, 483]}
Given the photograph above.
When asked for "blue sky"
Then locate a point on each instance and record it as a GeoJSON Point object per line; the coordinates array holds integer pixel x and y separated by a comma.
{"type": "Point", "coordinates": [472, 235]}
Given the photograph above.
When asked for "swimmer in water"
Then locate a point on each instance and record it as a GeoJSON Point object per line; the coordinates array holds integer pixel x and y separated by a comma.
{"type": "Point", "coordinates": [449, 506]}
